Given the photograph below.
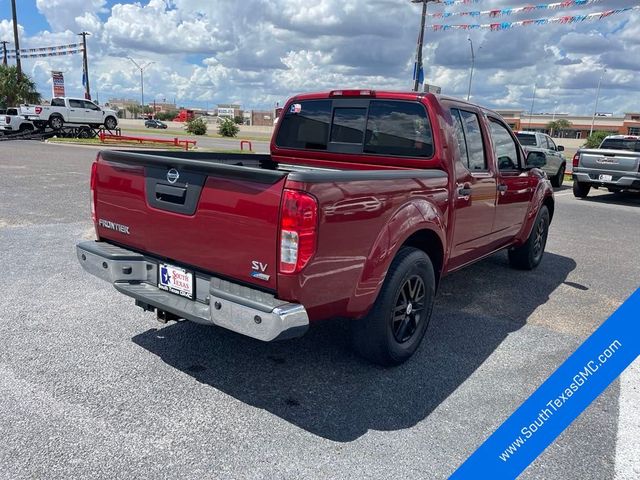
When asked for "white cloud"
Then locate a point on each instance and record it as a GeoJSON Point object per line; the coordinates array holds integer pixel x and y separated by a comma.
{"type": "Point", "coordinates": [260, 51]}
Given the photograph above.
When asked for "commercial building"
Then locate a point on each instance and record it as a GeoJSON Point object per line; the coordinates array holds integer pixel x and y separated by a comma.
{"type": "Point", "coordinates": [626, 124]}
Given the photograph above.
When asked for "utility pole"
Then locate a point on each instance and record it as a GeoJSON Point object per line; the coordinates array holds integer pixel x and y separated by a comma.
{"type": "Point", "coordinates": [142, 69]}
{"type": "Point", "coordinates": [85, 66]}
{"type": "Point", "coordinates": [595, 109]}
{"type": "Point", "coordinates": [16, 41]}
{"type": "Point", "coordinates": [532, 101]}
{"type": "Point", "coordinates": [4, 52]}
{"type": "Point", "coordinates": [418, 64]}
{"type": "Point", "coordinates": [473, 61]}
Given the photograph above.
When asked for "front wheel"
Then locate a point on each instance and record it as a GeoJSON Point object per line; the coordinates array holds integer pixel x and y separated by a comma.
{"type": "Point", "coordinates": [392, 331]}
{"type": "Point", "coordinates": [580, 189]}
{"type": "Point", "coordinates": [110, 123]}
{"type": "Point", "coordinates": [528, 255]}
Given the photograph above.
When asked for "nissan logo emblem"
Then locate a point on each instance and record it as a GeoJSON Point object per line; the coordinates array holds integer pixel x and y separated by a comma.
{"type": "Point", "coordinates": [173, 175]}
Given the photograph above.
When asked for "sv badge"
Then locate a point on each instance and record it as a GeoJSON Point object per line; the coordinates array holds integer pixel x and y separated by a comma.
{"type": "Point", "coordinates": [258, 270]}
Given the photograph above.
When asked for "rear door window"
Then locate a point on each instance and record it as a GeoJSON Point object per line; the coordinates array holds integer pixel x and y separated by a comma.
{"type": "Point", "coordinates": [475, 144]}
{"type": "Point", "coordinates": [398, 128]}
{"type": "Point", "coordinates": [57, 102]}
{"type": "Point", "coordinates": [76, 103]}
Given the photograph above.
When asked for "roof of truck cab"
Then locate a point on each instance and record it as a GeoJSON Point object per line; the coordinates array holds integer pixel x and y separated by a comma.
{"type": "Point", "coordinates": [389, 94]}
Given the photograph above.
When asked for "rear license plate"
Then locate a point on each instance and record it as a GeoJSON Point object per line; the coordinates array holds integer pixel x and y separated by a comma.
{"type": "Point", "coordinates": [605, 178]}
{"type": "Point", "coordinates": [175, 280]}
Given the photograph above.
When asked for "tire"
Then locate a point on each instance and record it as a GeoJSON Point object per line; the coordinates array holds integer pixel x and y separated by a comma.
{"type": "Point", "coordinates": [56, 122]}
{"type": "Point", "coordinates": [26, 127]}
{"type": "Point", "coordinates": [581, 189]}
{"type": "Point", "coordinates": [558, 179]}
{"type": "Point", "coordinates": [40, 125]}
{"type": "Point", "coordinates": [110, 123]}
{"type": "Point", "coordinates": [384, 339]}
{"type": "Point", "coordinates": [84, 133]}
{"type": "Point", "coordinates": [529, 255]}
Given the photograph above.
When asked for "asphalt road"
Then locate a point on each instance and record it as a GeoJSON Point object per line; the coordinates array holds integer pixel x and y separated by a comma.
{"type": "Point", "coordinates": [92, 387]}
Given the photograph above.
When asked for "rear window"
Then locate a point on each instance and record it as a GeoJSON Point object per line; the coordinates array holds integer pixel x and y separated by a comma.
{"type": "Point", "coordinates": [621, 144]}
{"type": "Point", "coordinates": [12, 111]}
{"type": "Point", "coordinates": [306, 125]}
{"type": "Point", "coordinates": [526, 139]}
{"type": "Point", "coordinates": [397, 128]}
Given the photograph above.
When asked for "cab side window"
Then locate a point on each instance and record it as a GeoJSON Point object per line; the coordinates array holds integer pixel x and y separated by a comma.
{"type": "Point", "coordinates": [469, 136]}
{"type": "Point", "coordinates": [91, 106]}
{"type": "Point", "coordinates": [552, 145]}
{"type": "Point", "coordinates": [76, 103]}
{"type": "Point", "coordinates": [504, 146]}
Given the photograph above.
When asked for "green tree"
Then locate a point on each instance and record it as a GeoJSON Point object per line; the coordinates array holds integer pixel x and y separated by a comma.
{"type": "Point", "coordinates": [197, 126]}
{"type": "Point", "coordinates": [133, 109]}
{"type": "Point", "coordinates": [595, 139]}
{"type": "Point", "coordinates": [14, 92]}
{"type": "Point", "coordinates": [165, 116]}
{"type": "Point", "coordinates": [558, 126]}
{"type": "Point", "coordinates": [228, 128]}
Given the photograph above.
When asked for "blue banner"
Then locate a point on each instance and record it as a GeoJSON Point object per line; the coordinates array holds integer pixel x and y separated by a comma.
{"type": "Point", "coordinates": [560, 399]}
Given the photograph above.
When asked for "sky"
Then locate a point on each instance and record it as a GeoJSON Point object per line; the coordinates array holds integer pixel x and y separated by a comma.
{"type": "Point", "coordinates": [259, 52]}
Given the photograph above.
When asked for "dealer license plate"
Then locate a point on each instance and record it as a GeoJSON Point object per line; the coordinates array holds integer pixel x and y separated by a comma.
{"type": "Point", "coordinates": [175, 280]}
{"type": "Point", "coordinates": [605, 178]}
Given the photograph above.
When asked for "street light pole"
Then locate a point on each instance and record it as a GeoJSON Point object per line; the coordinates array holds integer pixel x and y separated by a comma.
{"type": "Point", "coordinates": [532, 101]}
{"type": "Point", "coordinates": [473, 61]}
{"type": "Point", "coordinates": [85, 65]}
{"type": "Point", "coordinates": [418, 64]}
{"type": "Point", "coordinates": [141, 68]}
{"type": "Point", "coordinates": [595, 109]}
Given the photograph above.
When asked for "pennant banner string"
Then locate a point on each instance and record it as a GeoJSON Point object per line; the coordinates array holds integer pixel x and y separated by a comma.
{"type": "Point", "coordinates": [500, 12]}
{"type": "Point", "coordinates": [538, 21]}
{"type": "Point", "coordinates": [46, 54]}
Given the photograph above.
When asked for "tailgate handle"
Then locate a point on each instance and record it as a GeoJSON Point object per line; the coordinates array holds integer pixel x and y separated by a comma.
{"type": "Point", "coordinates": [167, 193]}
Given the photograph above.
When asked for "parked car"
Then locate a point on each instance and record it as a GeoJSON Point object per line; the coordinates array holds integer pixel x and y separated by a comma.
{"type": "Point", "coordinates": [11, 121]}
{"type": "Point", "coordinates": [366, 201]}
{"type": "Point", "coordinates": [554, 162]}
{"type": "Point", "coordinates": [153, 123]}
{"type": "Point", "coordinates": [66, 110]}
{"type": "Point", "coordinates": [615, 165]}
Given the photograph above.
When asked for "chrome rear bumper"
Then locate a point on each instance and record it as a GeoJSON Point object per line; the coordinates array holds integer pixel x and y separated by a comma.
{"type": "Point", "coordinates": [219, 302]}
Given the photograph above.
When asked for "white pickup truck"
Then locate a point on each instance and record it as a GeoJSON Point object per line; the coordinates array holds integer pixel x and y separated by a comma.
{"type": "Point", "coordinates": [12, 121]}
{"type": "Point", "coordinates": [66, 110]}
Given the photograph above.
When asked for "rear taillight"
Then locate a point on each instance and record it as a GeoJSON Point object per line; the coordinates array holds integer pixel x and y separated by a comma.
{"type": "Point", "coordinates": [298, 230]}
{"type": "Point", "coordinates": [576, 160]}
{"type": "Point", "coordinates": [92, 200]}
{"type": "Point", "coordinates": [38, 110]}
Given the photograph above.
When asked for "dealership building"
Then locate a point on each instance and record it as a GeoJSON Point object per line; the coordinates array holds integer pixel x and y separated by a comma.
{"type": "Point", "coordinates": [627, 124]}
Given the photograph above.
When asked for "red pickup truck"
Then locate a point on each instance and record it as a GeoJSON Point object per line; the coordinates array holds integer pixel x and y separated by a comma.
{"type": "Point", "coordinates": [367, 199]}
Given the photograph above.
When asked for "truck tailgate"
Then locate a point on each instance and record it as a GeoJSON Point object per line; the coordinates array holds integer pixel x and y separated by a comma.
{"type": "Point", "coordinates": [216, 217]}
{"type": "Point", "coordinates": [611, 160]}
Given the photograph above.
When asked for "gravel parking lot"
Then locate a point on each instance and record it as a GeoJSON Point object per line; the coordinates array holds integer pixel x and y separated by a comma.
{"type": "Point", "coordinates": [92, 387]}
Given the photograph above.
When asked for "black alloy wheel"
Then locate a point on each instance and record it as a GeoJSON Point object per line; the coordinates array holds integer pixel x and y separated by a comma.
{"type": "Point", "coordinates": [409, 309]}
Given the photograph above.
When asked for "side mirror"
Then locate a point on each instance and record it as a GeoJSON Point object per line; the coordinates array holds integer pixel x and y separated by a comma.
{"type": "Point", "coordinates": [536, 160]}
{"type": "Point", "coordinates": [560, 148]}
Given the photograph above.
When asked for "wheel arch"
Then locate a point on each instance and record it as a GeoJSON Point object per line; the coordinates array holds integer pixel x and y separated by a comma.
{"type": "Point", "coordinates": [430, 243]}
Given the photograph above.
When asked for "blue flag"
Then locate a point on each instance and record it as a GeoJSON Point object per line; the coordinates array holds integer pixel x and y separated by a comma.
{"type": "Point", "coordinates": [420, 73]}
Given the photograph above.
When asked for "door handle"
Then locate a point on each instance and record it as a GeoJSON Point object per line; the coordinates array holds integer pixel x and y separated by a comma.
{"type": "Point", "coordinates": [502, 188]}
{"type": "Point", "coordinates": [464, 190]}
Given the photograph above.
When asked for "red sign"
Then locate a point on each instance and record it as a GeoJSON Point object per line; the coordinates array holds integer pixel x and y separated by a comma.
{"type": "Point", "coordinates": [58, 84]}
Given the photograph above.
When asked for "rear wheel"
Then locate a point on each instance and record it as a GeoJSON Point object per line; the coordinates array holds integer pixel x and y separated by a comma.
{"type": "Point", "coordinates": [26, 127]}
{"type": "Point", "coordinates": [558, 179]}
{"type": "Point", "coordinates": [529, 255]}
{"type": "Point", "coordinates": [581, 189]}
{"type": "Point", "coordinates": [56, 122]}
{"type": "Point", "coordinates": [398, 320]}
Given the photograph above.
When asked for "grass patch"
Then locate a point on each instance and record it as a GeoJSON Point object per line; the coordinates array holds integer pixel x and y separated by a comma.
{"type": "Point", "coordinates": [177, 133]}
